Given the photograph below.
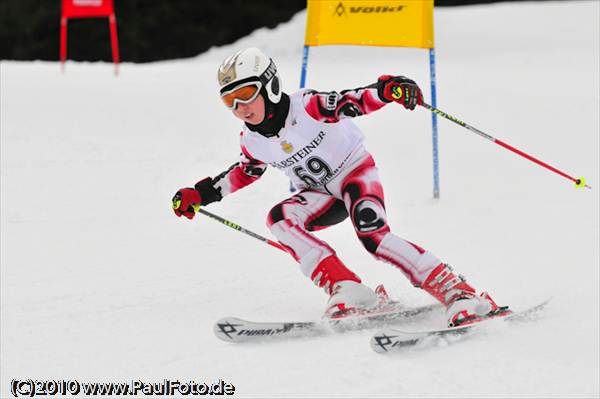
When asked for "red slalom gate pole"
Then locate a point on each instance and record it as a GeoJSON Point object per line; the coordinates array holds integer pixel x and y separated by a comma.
{"type": "Point", "coordinates": [579, 182]}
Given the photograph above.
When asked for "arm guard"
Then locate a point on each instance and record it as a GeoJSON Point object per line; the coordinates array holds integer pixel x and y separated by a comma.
{"type": "Point", "coordinates": [239, 175]}
{"type": "Point", "coordinates": [331, 107]}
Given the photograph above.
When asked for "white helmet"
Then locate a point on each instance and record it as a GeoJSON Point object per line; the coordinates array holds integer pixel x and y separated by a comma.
{"type": "Point", "coordinates": [250, 65]}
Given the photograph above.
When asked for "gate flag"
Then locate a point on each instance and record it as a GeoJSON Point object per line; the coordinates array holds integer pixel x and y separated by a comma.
{"type": "Point", "coordinates": [391, 23]}
{"type": "Point", "coordinates": [404, 23]}
{"type": "Point", "coordinates": [89, 9]}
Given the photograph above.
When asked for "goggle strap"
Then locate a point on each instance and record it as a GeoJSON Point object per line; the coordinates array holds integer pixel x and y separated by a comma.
{"type": "Point", "coordinates": [263, 78]}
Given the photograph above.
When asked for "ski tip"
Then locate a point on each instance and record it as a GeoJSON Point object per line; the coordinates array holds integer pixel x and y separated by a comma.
{"type": "Point", "coordinates": [545, 302]}
{"type": "Point", "coordinates": [540, 304]}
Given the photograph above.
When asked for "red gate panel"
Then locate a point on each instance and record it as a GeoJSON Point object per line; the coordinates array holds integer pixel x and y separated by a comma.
{"type": "Point", "coordinates": [89, 9]}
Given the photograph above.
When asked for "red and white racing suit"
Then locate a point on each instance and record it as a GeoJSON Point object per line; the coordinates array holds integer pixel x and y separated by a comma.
{"type": "Point", "coordinates": [322, 152]}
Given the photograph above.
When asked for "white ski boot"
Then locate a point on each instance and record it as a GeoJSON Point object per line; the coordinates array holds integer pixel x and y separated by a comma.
{"type": "Point", "coordinates": [347, 297]}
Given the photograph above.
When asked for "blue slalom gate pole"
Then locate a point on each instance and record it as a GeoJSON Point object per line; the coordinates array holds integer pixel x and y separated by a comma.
{"type": "Point", "coordinates": [434, 128]}
{"type": "Point", "coordinates": [304, 65]}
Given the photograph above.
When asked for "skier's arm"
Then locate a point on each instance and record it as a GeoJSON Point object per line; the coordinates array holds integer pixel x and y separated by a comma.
{"type": "Point", "coordinates": [239, 175]}
{"type": "Point", "coordinates": [209, 190]}
{"type": "Point", "coordinates": [331, 107]}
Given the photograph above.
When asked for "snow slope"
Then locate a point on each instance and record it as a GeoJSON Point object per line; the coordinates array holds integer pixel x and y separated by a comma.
{"type": "Point", "coordinates": [100, 282]}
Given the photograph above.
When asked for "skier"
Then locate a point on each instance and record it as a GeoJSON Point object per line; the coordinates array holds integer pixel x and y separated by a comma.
{"type": "Point", "coordinates": [309, 136]}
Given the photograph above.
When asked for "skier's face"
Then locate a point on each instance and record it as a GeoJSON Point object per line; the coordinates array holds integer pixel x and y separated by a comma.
{"type": "Point", "coordinates": [253, 112]}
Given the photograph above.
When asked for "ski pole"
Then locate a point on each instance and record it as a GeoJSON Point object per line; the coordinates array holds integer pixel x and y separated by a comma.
{"type": "Point", "coordinates": [579, 183]}
{"type": "Point", "coordinates": [239, 228]}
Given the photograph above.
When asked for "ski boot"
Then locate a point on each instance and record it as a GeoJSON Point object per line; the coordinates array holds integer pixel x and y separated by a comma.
{"type": "Point", "coordinates": [463, 305]}
{"type": "Point", "coordinates": [350, 298]}
{"type": "Point", "coordinates": [346, 293]}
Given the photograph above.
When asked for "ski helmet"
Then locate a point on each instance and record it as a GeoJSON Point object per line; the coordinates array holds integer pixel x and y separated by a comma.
{"type": "Point", "coordinates": [247, 68]}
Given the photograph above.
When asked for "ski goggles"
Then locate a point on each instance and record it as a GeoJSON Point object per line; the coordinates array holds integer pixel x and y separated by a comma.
{"type": "Point", "coordinates": [244, 94]}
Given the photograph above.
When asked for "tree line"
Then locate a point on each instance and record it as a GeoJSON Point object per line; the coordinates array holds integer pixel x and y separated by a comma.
{"type": "Point", "coordinates": [148, 30]}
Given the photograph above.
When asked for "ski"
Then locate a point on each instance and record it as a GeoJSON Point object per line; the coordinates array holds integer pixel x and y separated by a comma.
{"type": "Point", "coordinates": [392, 339]}
{"type": "Point", "coordinates": [233, 329]}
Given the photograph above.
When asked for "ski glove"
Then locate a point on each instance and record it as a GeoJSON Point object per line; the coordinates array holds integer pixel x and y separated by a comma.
{"type": "Point", "coordinates": [187, 200]}
{"type": "Point", "coordinates": [399, 89]}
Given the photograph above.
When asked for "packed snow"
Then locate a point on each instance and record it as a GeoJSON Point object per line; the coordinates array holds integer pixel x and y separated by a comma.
{"type": "Point", "coordinates": [101, 282]}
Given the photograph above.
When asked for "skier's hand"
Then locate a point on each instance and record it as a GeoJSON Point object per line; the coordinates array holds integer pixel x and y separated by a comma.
{"type": "Point", "coordinates": [399, 89]}
{"type": "Point", "coordinates": [184, 202]}
{"type": "Point", "coordinates": [187, 200]}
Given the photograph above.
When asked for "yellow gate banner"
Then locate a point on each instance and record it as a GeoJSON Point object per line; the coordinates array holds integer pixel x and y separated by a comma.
{"type": "Point", "coordinates": [397, 23]}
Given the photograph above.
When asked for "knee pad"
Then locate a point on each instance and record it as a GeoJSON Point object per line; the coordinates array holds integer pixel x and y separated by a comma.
{"type": "Point", "coordinates": [370, 222]}
{"type": "Point", "coordinates": [368, 215]}
{"type": "Point", "coordinates": [276, 213]}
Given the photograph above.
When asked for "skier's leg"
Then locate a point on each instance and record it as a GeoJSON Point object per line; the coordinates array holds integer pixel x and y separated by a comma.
{"type": "Point", "coordinates": [292, 221]}
{"type": "Point", "coordinates": [363, 196]}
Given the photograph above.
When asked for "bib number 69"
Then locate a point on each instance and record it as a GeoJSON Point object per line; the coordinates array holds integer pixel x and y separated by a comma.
{"type": "Point", "coordinates": [316, 169]}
